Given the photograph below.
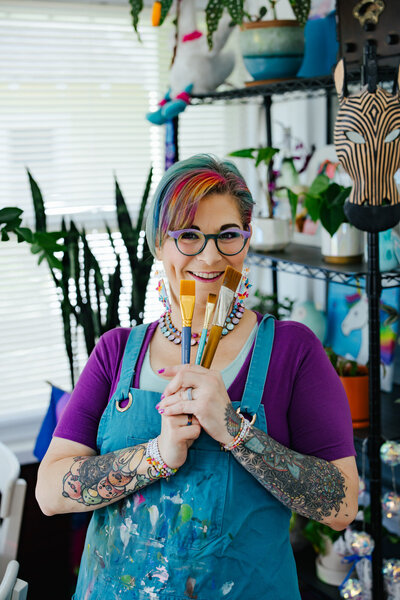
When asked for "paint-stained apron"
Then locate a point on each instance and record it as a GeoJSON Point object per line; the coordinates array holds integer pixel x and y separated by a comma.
{"type": "Point", "coordinates": [210, 532]}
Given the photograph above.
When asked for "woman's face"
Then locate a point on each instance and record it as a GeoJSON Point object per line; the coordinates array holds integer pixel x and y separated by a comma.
{"type": "Point", "coordinates": [215, 212]}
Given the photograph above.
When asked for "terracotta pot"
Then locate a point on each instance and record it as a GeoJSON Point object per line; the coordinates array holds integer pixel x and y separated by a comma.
{"type": "Point", "coordinates": [356, 389]}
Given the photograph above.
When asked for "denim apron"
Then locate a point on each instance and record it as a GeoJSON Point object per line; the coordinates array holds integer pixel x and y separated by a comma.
{"type": "Point", "coordinates": [210, 532]}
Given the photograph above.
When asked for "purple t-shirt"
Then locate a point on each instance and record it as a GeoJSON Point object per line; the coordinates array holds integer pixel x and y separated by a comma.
{"type": "Point", "coordinates": [305, 404]}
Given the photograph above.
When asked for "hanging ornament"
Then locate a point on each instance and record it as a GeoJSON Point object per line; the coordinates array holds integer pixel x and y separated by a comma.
{"type": "Point", "coordinates": [391, 504]}
{"type": "Point", "coordinates": [390, 453]}
{"type": "Point", "coordinates": [391, 575]}
{"type": "Point", "coordinates": [351, 589]}
{"type": "Point", "coordinates": [361, 543]}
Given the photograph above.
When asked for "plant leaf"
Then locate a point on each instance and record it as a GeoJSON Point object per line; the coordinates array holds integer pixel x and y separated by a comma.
{"type": "Point", "coordinates": [235, 9]}
{"type": "Point", "coordinates": [293, 200]}
{"type": "Point", "coordinates": [245, 153]}
{"type": "Point", "coordinates": [165, 6]}
{"type": "Point", "coordinates": [312, 205]}
{"type": "Point", "coordinates": [136, 8]}
{"type": "Point", "coordinates": [319, 185]}
{"type": "Point", "coordinates": [265, 155]}
{"type": "Point", "coordinates": [38, 204]}
{"type": "Point", "coordinates": [9, 214]}
{"type": "Point", "coordinates": [301, 10]}
{"type": "Point", "coordinates": [214, 10]}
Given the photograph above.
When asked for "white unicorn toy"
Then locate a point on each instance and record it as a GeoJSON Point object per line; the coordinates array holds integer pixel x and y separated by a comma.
{"type": "Point", "coordinates": [196, 69]}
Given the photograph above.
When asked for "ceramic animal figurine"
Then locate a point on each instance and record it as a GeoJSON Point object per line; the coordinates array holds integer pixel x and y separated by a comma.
{"type": "Point", "coordinates": [196, 69]}
{"type": "Point", "coordinates": [367, 140]}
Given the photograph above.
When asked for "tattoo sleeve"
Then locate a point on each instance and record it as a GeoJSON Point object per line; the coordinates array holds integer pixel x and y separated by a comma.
{"type": "Point", "coordinates": [310, 486]}
{"type": "Point", "coordinates": [98, 480]}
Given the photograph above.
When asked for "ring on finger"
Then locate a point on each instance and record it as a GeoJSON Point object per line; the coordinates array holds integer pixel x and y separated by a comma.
{"type": "Point", "coordinates": [189, 421]}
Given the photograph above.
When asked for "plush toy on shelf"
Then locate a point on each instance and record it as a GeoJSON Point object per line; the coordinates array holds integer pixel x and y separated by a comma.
{"type": "Point", "coordinates": [195, 69]}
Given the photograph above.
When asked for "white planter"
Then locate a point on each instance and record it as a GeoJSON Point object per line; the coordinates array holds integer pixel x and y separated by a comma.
{"type": "Point", "coordinates": [329, 567]}
{"type": "Point", "coordinates": [346, 246]}
{"type": "Point", "coordinates": [270, 234]}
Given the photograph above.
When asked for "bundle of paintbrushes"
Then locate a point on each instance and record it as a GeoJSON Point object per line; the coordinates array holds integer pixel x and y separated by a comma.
{"type": "Point", "coordinates": [222, 310]}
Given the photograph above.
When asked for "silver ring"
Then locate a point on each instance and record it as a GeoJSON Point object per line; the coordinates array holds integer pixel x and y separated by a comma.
{"type": "Point", "coordinates": [189, 394]}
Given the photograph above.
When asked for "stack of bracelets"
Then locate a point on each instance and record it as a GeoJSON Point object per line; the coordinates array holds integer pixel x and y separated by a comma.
{"type": "Point", "coordinates": [154, 458]}
{"type": "Point", "coordinates": [241, 435]}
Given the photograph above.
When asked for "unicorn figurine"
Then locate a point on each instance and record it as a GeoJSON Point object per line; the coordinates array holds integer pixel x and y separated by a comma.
{"type": "Point", "coordinates": [196, 69]}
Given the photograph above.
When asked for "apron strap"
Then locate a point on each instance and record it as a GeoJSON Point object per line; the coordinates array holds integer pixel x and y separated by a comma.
{"type": "Point", "coordinates": [131, 354]}
{"type": "Point", "coordinates": [259, 364]}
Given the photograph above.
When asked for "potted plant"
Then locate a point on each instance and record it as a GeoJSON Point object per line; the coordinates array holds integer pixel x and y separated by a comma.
{"type": "Point", "coordinates": [269, 232]}
{"type": "Point", "coordinates": [324, 201]}
{"type": "Point", "coordinates": [274, 48]}
{"type": "Point", "coordinates": [236, 9]}
{"type": "Point", "coordinates": [269, 303]}
{"type": "Point", "coordinates": [328, 563]}
{"type": "Point", "coordinates": [354, 378]}
{"type": "Point", "coordinates": [89, 295]}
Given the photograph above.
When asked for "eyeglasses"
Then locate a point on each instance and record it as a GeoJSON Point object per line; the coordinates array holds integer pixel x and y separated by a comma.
{"type": "Point", "coordinates": [192, 241]}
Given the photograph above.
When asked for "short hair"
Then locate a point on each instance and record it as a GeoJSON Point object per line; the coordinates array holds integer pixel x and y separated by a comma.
{"type": "Point", "coordinates": [184, 185]}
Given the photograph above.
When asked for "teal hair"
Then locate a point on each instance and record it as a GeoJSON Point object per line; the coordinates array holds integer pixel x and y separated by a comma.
{"type": "Point", "coordinates": [184, 185]}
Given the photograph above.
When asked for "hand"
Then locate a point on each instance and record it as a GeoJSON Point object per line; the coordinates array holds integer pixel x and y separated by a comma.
{"type": "Point", "coordinates": [175, 439]}
{"type": "Point", "coordinates": [209, 403]}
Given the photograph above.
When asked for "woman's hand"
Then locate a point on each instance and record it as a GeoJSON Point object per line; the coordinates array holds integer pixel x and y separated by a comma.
{"type": "Point", "coordinates": [175, 439]}
{"type": "Point", "coordinates": [209, 402]}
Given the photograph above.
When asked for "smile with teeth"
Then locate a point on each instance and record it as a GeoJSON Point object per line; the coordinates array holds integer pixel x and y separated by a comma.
{"type": "Point", "coordinates": [206, 275]}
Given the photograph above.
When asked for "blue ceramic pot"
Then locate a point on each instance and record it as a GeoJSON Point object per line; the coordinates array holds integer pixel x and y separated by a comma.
{"type": "Point", "coordinates": [272, 49]}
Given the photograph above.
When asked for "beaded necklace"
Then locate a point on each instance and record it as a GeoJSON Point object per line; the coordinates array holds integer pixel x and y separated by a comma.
{"type": "Point", "coordinates": [173, 334]}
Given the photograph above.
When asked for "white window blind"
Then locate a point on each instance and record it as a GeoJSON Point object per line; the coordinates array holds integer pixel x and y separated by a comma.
{"type": "Point", "coordinates": [75, 85]}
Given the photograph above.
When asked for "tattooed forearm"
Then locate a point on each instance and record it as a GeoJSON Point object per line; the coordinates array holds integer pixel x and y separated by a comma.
{"type": "Point", "coordinates": [96, 480]}
{"type": "Point", "coordinates": [308, 485]}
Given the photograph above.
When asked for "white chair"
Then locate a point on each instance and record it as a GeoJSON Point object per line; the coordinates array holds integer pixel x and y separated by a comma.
{"type": "Point", "coordinates": [12, 490]}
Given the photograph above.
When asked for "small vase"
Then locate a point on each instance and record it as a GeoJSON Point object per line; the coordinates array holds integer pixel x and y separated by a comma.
{"type": "Point", "coordinates": [344, 247]}
{"type": "Point", "coordinates": [270, 235]}
{"type": "Point", "coordinates": [329, 567]}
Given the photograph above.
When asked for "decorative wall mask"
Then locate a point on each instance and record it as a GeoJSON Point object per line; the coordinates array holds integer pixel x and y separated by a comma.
{"type": "Point", "coordinates": [367, 140]}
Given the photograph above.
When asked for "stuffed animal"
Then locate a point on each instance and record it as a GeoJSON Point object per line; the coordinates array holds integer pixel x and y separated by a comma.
{"type": "Point", "coordinates": [196, 69]}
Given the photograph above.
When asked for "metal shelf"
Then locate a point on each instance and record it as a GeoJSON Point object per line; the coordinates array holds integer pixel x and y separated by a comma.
{"type": "Point", "coordinates": [307, 261]}
{"type": "Point", "coordinates": [306, 85]}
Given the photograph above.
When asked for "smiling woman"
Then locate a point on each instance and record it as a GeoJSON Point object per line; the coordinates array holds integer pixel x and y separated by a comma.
{"type": "Point", "coordinates": [272, 401]}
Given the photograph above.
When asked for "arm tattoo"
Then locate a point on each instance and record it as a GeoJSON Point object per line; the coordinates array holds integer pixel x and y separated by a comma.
{"type": "Point", "coordinates": [313, 487]}
{"type": "Point", "coordinates": [95, 480]}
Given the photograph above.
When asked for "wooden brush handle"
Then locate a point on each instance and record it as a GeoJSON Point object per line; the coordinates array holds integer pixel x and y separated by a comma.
{"type": "Point", "coordinates": [211, 346]}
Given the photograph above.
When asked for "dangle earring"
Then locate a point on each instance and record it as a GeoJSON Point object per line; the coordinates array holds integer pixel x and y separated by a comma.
{"type": "Point", "coordinates": [163, 295]}
{"type": "Point", "coordinates": [238, 307]}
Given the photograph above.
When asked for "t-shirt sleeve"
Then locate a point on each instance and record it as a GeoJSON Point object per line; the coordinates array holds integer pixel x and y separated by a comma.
{"type": "Point", "coordinates": [80, 419]}
{"type": "Point", "coordinates": [319, 414]}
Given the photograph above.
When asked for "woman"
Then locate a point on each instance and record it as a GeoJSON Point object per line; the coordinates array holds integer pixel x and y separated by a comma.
{"type": "Point", "coordinates": [187, 520]}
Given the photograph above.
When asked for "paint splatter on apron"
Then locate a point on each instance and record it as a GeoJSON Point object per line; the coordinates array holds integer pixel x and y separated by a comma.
{"type": "Point", "coordinates": [211, 532]}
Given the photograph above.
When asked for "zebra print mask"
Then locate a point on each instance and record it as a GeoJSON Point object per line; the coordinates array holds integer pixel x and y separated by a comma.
{"type": "Point", "coordinates": [367, 140]}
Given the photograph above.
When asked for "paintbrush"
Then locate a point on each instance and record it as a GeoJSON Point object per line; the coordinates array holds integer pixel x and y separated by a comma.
{"type": "Point", "coordinates": [223, 308]}
{"type": "Point", "coordinates": [186, 300]}
{"type": "Point", "coordinates": [211, 300]}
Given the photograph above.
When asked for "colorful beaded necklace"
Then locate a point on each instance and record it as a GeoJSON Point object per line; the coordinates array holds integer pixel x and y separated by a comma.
{"type": "Point", "coordinates": [173, 334]}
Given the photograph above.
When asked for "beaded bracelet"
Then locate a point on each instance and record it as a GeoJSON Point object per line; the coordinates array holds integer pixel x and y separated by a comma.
{"type": "Point", "coordinates": [154, 458]}
{"type": "Point", "coordinates": [245, 427]}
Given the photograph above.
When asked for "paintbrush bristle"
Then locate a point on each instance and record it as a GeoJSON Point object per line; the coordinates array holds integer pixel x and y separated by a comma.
{"type": "Point", "coordinates": [211, 298]}
{"type": "Point", "coordinates": [231, 278]}
{"type": "Point", "coordinates": [188, 288]}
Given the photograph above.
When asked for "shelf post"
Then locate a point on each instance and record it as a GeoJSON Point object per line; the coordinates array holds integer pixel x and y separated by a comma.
{"type": "Point", "coordinates": [374, 289]}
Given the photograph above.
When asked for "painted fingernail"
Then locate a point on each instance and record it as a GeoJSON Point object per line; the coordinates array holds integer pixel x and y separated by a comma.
{"type": "Point", "coordinates": [162, 396]}
{"type": "Point", "coordinates": [160, 370]}
{"type": "Point", "coordinates": [161, 410]}
{"type": "Point", "coordinates": [157, 405]}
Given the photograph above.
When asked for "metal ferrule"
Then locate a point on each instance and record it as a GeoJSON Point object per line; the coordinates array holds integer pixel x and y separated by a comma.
{"type": "Point", "coordinates": [208, 314]}
{"type": "Point", "coordinates": [224, 303]}
{"type": "Point", "coordinates": [187, 308]}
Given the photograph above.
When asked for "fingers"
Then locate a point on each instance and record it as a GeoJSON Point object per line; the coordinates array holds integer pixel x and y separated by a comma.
{"type": "Point", "coordinates": [184, 376]}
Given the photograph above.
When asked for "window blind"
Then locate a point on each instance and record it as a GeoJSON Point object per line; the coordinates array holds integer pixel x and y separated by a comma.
{"type": "Point", "coordinates": [75, 85]}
